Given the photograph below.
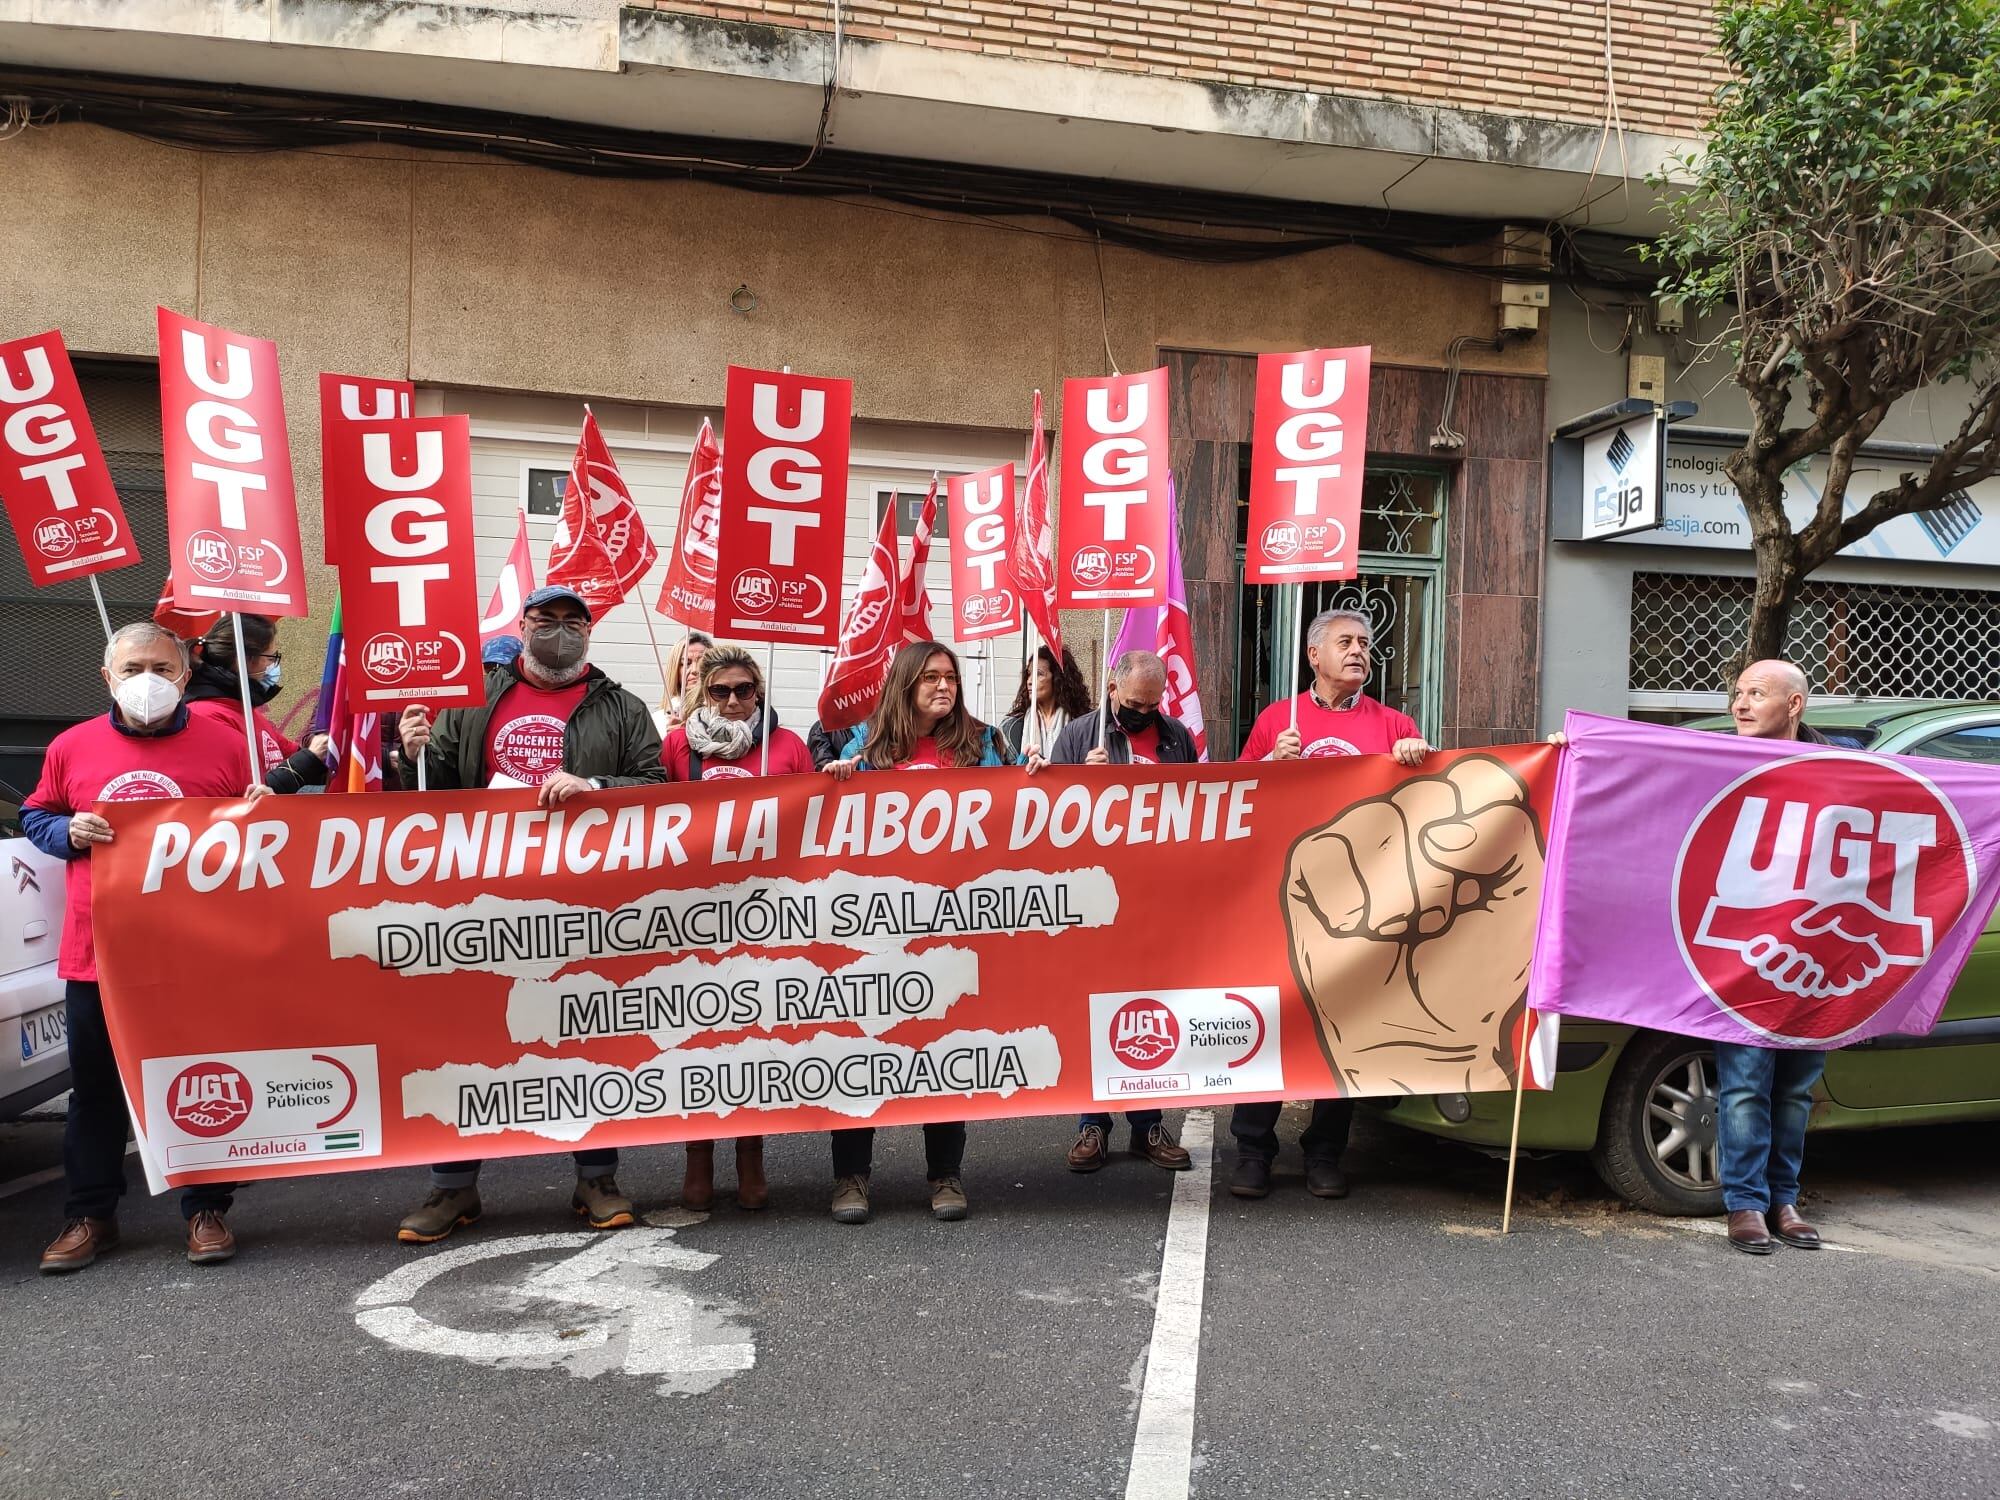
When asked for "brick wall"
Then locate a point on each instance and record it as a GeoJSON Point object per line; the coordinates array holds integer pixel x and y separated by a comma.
{"type": "Point", "coordinates": [1527, 57]}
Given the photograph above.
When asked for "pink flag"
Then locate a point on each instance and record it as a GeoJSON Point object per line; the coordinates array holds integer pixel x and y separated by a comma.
{"type": "Point", "coordinates": [1033, 564]}
{"type": "Point", "coordinates": [601, 547]}
{"type": "Point", "coordinates": [869, 637]}
{"type": "Point", "coordinates": [916, 598]}
{"type": "Point", "coordinates": [688, 594]}
{"type": "Point", "coordinates": [1769, 892]}
{"type": "Point", "coordinates": [1168, 632]}
{"type": "Point", "coordinates": [515, 583]}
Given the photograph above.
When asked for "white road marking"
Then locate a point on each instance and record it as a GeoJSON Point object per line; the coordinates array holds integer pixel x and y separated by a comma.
{"type": "Point", "coordinates": [36, 1179]}
{"type": "Point", "coordinates": [1712, 1226]}
{"type": "Point", "coordinates": [1163, 1445]}
{"type": "Point", "coordinates": [638, 1321]}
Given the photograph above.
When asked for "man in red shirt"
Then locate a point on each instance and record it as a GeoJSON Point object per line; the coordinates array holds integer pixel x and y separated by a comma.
{"type": "Point", "coordinates": [146, 746]}
{"type": "Point", "coordinates": [1333, 717]}
{"type": "Point", "coordinates": [553, 721]}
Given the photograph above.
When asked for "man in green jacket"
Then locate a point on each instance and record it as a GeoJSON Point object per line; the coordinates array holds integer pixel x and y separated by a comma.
{"type": "Point", "coordinates": [553, 721]}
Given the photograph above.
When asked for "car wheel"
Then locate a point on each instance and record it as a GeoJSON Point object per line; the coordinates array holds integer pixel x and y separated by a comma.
{"type": "Point", "coordinates": [1656, 1141]}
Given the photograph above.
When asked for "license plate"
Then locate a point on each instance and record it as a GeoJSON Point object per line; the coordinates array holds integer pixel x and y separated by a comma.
{"type": "Point", "coordinates": [44, 1031]}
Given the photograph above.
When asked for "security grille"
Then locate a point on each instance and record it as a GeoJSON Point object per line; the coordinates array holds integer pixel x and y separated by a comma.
{"type": "Point", "coordinates": [1851, 639]}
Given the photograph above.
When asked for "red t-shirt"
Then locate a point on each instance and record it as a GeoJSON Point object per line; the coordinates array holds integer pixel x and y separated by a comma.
{"type": "Point", "coordinates": [524, 736]}
{"type": "Point", "coordinates": [93, 762]}
{"type": "Point", "coordinates": [789, 757]}
{"type": "Point", "coordinates": [924, 756]}
{"type": "Point", "coordinates": [272, 744]}
{"type": "Point", "coordinates": [1145, 745]}
{"type": "Point", "coordinates": [1368, 728]}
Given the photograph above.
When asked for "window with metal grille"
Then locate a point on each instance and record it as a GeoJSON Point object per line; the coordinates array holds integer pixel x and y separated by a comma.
{"type": "Point", "coordinates": [1851, 639]}
{"type": "Point", "coordinates": [52, 641]}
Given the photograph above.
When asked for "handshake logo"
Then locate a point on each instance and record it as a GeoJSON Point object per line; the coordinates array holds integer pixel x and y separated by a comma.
{"type": "Point", "coordinates": [1810, 891]}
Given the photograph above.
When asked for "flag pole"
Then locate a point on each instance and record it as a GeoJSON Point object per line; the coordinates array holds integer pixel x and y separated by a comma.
{"type": "Point", "coordinates": [1298, 632]}
{"type": "Point", "coordinates": [243, 682]}
{"type": "Point", "coordinates": [770, 668]}
{"type": "Point", "coordinates": [1033, 719]}
{"type": "Point", "coordinates": [102, 613]}
{"type": "Point", "coordinates": [666, 688]}
{"type": "Point", "coordinates": [1104, 683]}
{"type": "Point", "coordinates": [1514, 1139]}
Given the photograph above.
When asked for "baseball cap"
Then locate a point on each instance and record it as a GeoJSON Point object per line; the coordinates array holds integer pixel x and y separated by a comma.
{"type": "Point", "coordinates": [500, 650]}
{"type": "Point", "coordinates": [549, 593]}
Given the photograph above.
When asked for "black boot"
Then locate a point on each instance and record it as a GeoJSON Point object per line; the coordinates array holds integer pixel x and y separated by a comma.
{"type": "Point", "coordinates": [1252, 1177]}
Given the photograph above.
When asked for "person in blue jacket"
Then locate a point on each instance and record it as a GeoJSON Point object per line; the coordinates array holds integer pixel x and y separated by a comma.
{"type": "Point", "coordinates": [920, 723]}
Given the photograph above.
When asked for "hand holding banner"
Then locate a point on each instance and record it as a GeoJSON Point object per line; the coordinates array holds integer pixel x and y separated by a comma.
{"type": "Point", "coordinates": [1113, 501]}
{"type": "Point", "coordinates": [688, 593]}
{"type": "Point", "coordinates": [784, 506]}
{"type": "Point", "coordinates": [231, 514]}
{"type": "Point", "coordinates": [408, 588]}
{"type": "Point", "coordinates": [1306, 458]}
{"type": "Point", "coordinates": [352, 398]}
{"type": "Point", "coordinates": [52, 473]}
{"type": "Point", "coordinates": [979, 511]}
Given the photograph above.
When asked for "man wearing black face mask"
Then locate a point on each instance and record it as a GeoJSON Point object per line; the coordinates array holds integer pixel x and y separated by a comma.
{"type": "Point", "coordinates": [553, 721]}
{"type": "Point", "coordinates": [1138, 735]}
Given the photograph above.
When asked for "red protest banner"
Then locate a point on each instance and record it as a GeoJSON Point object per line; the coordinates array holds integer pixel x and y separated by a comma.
{"type": "Point", "coordinates": [979, 510]}
{"type": "Point", "coordinates": [688, 592]}
{"type": "Point", "coordinates": [602, 548]}
{"type": "Point", "coordinates": [469, 975]}
{"type": "Point", "coordinates": [1306, 457]}
{"type": "Point", "coordinates": [52, 473]}
{"type": "Point", "coordinates": [408, 587]}
{"type": "Point", "coordinates": [352, 398]}
{"type": "Point", "coordinates": [231, 515]}
{"type": "Point", "coordinates": [784, 506]}
{"type": "Point", "coordinates": [869, 636]}
{"type": "Point", "coordinates": [1112, 507]}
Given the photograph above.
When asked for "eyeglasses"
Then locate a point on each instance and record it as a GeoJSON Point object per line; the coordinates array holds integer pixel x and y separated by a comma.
{"type": "Point", "coordinates": [722, 692]}
{"type": "Point", "coordinates": [938, 679]}
{"type": "Point", "coordinates": [275, 658]}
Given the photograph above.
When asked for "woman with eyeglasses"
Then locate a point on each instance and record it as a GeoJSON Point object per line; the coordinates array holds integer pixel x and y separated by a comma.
{"type": "Point", "coordinates": [721, 740]}
{"type": "Point", "coordinates": [215, 691]}
{"type": "Point", "coordinates": [920, 723]}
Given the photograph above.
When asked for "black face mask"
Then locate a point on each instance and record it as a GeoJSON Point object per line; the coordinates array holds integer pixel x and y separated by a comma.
{"type": "Point", "coordinates": [1136, 720]}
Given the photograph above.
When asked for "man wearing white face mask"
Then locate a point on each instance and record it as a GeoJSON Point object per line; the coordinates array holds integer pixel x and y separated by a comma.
{"type": "Point", "coordinates": [147, 746]}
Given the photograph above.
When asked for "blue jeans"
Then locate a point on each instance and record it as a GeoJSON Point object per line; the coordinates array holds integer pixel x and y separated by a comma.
{"type": "Point", "coordinates": [1766, 1095]}
{"type": "Point", "coordinates": [1141, 1121]}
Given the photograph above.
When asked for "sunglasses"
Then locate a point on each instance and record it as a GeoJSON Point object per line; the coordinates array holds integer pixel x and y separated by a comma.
{"type": "Point", "coordinates": [722, 692]}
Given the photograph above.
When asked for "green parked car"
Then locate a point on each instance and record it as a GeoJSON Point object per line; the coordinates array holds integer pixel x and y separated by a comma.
{"type": "Point", "coordinates": [1643, 1103]}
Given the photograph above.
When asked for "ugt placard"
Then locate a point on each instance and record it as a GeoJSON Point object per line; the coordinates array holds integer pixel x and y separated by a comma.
{"type": "Point", "coordinates": [1309, 444]}
{"type": "Point", "coordinates": [52, 472]}
{"type": "Point", "coordinates": [1113, 507]}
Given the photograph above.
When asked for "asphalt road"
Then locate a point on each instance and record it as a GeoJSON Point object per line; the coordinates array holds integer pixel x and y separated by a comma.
{"type": "Point", "coordinates": [1389, 1345]}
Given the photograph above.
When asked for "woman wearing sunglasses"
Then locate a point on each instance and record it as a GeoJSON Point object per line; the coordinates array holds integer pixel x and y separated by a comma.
{"type": "Point", "coordinates": [721, 740]}
{"type": "Point", "coordinates": [920, 724]}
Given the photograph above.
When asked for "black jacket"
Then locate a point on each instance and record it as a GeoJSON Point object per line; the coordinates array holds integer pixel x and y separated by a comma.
{"type": "Point", "coordinates": [610, 736]}
{"type": "Point", "coordinates": [1079, 738]}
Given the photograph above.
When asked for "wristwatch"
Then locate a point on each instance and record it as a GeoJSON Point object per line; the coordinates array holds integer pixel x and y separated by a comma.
{"type": "Point", "coordinates": [596, 783]}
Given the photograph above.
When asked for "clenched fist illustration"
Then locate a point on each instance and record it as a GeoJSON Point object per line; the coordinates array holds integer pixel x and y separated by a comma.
{"type": "Point", "coordinates": [1412, 920]}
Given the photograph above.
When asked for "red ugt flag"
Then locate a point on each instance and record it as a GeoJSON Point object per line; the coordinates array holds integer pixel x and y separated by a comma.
{"type": "Point", "coordinates": [868, 637]}
{"type": "Point", "coordinates": [601, 547]}
{"type": "Point", "coordinates": [1033, 558]}
{"type": "Point", "coordinates": [915, 597]}
{"type": "Point", "coordinates": [515, 583]}
{"type": "Point", "coordinates": [688, 595]}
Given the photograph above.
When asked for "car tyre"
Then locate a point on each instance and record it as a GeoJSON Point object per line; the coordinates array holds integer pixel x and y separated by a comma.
{"type": "Point", "coordinates": [1655, 1139]}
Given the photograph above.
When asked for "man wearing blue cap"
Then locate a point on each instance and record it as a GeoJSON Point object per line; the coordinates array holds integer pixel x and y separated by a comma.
{"type": "Point", "coordinates": [553, 721]}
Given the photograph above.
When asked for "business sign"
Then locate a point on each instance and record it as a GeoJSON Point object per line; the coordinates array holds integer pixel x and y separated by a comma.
{"type": "Point", "coordinates": [408, 582]}
{"type": "Point", "coordinates": [53, 477]}
{"type": "Point", "coordinates": [1306, 458]}
{"type": "Point", "coordinates": [784, 507]}
{"type": "Point", "coordinates": [981, 514]}
{"type": "Point", "coordinates": [1111, 529]}
{"type": "Point", "coordinates": [1624, 477]}
{"type": "Point", "coordinates": [231, 515]}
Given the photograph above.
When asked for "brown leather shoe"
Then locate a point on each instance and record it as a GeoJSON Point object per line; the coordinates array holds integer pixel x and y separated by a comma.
{"type": "Point", "coordinates": [698, 1185]}
{"type": "Point", "coordinates": [80, 1243]}
{"type": "Point", "coordinates": [209, 1240]}
{"type": "Point", "coordinates": [752, 1192]}
{"type": "Point", "coordinates": [1794, 1231]}
{"type": "Point", "coordinates": [1157, 1145]}
{"type": "Point", "coordinates": [1748, 1234]}
{"type": "Point", "coordinates": [1087, 1155]}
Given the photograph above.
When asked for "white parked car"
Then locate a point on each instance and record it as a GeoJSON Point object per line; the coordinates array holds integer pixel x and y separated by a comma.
{"type": "Point", "coordinates": [34, 1033]}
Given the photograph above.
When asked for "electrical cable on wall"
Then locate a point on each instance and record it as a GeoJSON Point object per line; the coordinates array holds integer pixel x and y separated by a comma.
{"type": "Point", "coordinates": [1445, 436]}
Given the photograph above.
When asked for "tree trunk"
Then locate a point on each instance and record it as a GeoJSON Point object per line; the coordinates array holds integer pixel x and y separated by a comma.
{"type": "Point", "coordinates": [1776, 552]}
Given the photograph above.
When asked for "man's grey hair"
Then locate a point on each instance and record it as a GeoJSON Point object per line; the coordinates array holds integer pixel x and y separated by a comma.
{"type": "Point", "coordinates": [1147, 663]}
{"type": "Point", "coordinates": [143, 633]}
{"type": "Point", "coordinates": [1324, 621]}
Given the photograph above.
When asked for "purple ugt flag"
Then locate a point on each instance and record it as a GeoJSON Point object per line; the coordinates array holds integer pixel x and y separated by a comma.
{"type": "Point", "coordinates": [1169, 631]}
{"type": "Point", "coordinates": [1770, 892]}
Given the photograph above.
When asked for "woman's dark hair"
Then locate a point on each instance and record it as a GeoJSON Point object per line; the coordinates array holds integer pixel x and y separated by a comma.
{"type": "Point", "coordinates": [892, 728]}
{"type": "Point", "coordinates": [1072, 693]}
{"type": "Point", "coordinates": [218, 647]}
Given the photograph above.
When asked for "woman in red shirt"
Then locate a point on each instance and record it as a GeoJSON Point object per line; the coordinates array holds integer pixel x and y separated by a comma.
{"type": "Point", "coordinates": [920, 724]}
{"type": "Point", "coordinates": [722, 740]}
